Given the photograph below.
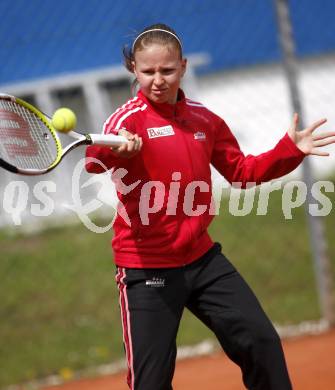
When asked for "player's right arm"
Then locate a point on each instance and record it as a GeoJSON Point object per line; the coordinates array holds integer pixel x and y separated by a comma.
{"type": "Point", "coordinates": [109, 157]}
{"type": "Point", "coordinates": [131, 148]}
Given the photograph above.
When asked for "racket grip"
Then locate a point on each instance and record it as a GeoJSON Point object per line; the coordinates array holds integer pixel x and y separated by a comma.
{"type": "Point", "coordinates": [108, 139]}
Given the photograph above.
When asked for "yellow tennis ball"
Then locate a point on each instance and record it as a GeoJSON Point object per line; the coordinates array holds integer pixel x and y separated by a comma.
{"type": "Point", "coordinates": [64, 120]}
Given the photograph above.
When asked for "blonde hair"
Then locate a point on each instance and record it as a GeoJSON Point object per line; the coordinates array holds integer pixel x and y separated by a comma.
{"type": "Point", "coordinates": [157, 33]}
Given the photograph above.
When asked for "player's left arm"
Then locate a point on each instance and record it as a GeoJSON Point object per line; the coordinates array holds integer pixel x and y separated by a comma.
{"type": "Point", "coordinates": [230, 161]}
{"type": "Point", "coordinates": [308, 142]}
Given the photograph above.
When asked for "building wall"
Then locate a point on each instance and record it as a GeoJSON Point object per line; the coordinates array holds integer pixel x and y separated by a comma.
{"type": "Point", "coordinates": [44, 38]}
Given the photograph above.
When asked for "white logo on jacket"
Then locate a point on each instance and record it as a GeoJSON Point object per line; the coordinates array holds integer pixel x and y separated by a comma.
{"type": "Point", "coordinates": [200, 135]}
{"type": "Point", "coordinates": [155, 132]}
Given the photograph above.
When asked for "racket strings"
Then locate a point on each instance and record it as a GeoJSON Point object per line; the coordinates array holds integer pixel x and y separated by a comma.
{"type": "Point", "coordinates": [41, 134]}
{"type": "Point", "coordinates": [25, 141]}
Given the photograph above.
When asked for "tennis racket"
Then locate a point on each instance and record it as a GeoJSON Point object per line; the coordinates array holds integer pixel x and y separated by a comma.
{"type": "Point", "coordinates": [29, 144]}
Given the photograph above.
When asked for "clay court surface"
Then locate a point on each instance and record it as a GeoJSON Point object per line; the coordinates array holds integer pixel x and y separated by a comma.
{"type": "Point", "coordinates": [311, 361]}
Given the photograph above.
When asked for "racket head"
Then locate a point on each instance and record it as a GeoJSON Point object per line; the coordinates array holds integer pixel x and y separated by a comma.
{"type": "Point", "coordinates": [28, 142]}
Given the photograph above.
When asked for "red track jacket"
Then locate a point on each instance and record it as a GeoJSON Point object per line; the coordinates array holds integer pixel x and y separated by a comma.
{"type": "Point", "coordinates": [169, 204]}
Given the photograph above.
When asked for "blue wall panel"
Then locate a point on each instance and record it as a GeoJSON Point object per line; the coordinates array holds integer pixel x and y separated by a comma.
{"type": "Point", "coordinates": [45, 38]}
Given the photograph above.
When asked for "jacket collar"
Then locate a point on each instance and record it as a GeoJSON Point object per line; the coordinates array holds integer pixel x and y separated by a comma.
{"type": "Point", "coordinates": [166, 109]}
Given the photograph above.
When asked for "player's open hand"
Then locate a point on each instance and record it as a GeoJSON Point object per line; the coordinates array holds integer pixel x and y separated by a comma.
{"type": "Point", "coordinates": [131, 148]}
{"type": "Point", "coordinates": [308, 142]}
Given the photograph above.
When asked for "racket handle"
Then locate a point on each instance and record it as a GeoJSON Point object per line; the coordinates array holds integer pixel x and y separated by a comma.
{"type": "Point", "coordinates": [108, 139]}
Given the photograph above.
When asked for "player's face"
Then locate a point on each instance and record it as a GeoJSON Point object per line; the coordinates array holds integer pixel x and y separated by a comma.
{"type": "Point", "coordinates": [159, 70]}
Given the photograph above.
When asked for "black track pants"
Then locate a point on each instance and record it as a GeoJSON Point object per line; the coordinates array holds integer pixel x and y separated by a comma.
{"type": "Point", "coordinates": [152, 302]}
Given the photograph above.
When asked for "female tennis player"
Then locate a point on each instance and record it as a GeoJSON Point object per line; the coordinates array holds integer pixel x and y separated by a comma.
{"type": "Point", "coordinates": [165, 259]}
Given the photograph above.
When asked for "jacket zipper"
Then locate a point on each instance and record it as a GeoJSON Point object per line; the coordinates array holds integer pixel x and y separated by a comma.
{"type": "Point", "coordinates": [192, 169]}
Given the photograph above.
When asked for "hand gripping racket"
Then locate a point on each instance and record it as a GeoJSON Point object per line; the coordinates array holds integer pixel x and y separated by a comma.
{"type": "Point", "coordinates": [29, 144]}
